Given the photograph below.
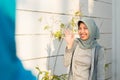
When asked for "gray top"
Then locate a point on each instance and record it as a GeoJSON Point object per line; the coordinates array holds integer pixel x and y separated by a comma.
{"type": "Point", "coordinates": [83, 63]}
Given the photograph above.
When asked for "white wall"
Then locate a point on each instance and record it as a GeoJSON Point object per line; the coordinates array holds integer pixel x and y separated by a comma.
{"type": "Point", "coordinates": [36, 47]}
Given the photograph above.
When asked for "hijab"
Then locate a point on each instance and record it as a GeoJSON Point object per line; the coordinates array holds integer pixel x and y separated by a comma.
{"type": "Point", "coordinates": [94, 34]}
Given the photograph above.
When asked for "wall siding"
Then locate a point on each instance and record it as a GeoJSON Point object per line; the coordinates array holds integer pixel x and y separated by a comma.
{"type": "Point", "coordinates": [36, 47]}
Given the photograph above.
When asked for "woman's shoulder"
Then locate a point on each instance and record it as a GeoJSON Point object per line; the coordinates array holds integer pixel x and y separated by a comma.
{"type": "Point", "coordinates": [100, 50]}
{"type": "Point", "coordinates": [99, 46]}
{"type": "Point", "coordinates": [76, 40]}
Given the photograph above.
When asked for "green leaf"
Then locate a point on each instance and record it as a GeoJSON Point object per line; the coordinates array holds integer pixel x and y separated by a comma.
{"type": "Point", "coordinates": [78, 13]}
{"type": "Point", "coordinates": [72, 22]}
{"type": "Point", "coordinates": [62, 25]}
{"type": "Point", "coordinates": [46, 27]}
{"type": "Point", "coordinates": [58, 34]}
{"type": "Point", "coordinates": [40, 19]}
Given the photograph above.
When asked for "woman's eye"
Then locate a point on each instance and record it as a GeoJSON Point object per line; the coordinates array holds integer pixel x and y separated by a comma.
{"type": "Point", "coordinates": [79, 28]}
{"type": "Point", "coordinates": [85, 28]}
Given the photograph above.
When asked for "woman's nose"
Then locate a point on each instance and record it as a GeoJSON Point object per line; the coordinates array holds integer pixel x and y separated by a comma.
{"type": "Point", "coordinates": [82, 30]}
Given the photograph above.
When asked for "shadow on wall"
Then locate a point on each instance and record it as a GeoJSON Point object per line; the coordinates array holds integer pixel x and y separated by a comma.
{"type": "Point", "coordinates": [55, 62]}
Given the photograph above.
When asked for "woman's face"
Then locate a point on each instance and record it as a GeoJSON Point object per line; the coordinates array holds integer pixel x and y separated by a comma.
{"type": "Point", "coordinates": [83, 31]}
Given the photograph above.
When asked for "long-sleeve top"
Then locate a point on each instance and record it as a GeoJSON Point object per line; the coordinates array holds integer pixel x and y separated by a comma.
{"type": "Point", "coordinates": [83, 63]}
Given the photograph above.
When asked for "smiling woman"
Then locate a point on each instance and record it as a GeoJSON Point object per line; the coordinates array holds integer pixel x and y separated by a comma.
{"type": "Point", "coordinates": [84, 54]}
{"type": "Point", "coordinates": [10, 66]}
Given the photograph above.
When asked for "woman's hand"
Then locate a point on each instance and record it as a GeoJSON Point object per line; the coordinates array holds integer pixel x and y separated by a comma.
{"type": "Point", "coordinates": [69, 38]}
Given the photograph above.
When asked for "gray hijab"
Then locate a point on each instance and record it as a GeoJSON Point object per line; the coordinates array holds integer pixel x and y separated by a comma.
{"type": "Point", "coordinates": [94, 34]}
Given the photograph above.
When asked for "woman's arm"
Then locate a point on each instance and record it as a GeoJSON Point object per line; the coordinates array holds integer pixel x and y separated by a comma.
{"type": "Point", "coordinates": [69, 38]}
{"type": "Point", "coordinates": [69, 53]}
{"type": "Point", "coordinates": [67, 56]}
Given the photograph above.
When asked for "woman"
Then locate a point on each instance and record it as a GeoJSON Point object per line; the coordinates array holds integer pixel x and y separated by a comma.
{"type": "Point", "coordinates": [84, 55]}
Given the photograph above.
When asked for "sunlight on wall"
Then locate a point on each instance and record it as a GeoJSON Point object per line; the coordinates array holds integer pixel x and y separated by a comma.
{"type": "Point", "coordinates": [90, 6]}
